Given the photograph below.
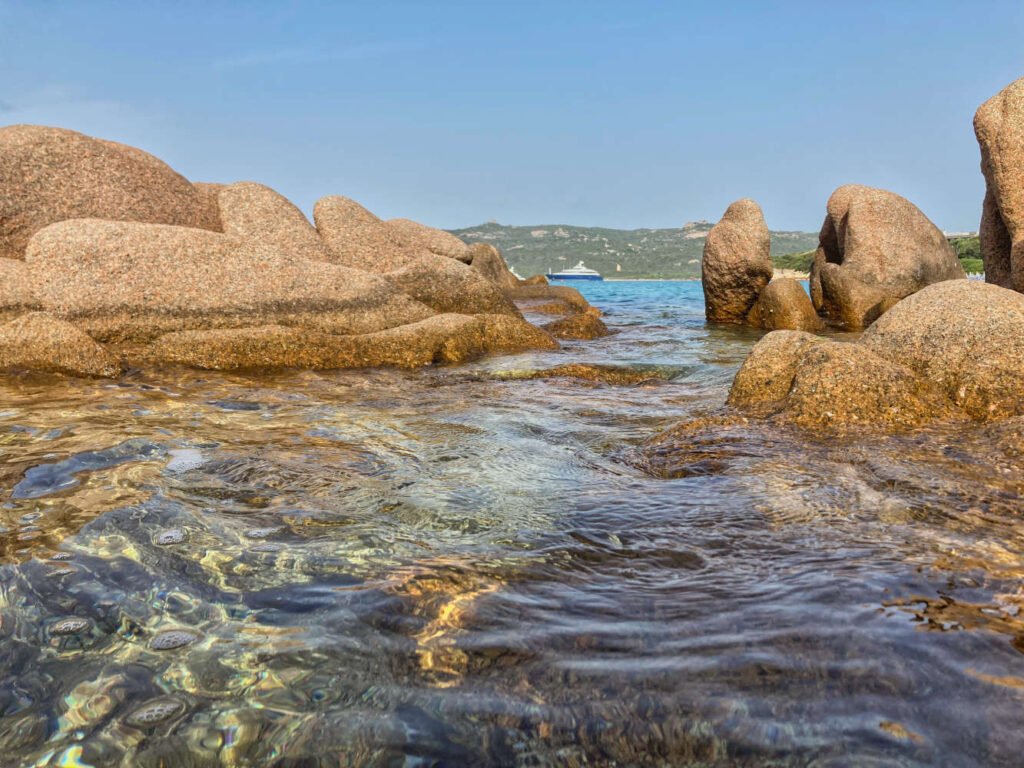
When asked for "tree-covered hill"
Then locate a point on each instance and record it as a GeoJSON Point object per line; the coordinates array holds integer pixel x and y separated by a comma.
{"type": "Point", "coordinates": [967, 249]}
{"type": "Point", "coordinates": [634, 253]}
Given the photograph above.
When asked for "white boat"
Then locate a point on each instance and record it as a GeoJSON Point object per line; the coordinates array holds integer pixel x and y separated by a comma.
{"type": "Point", "coordinates": [579, 272]}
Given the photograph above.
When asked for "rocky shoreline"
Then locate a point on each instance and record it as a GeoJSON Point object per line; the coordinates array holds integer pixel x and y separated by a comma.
{"type": "Point", "coordinates": [112, 260]}
{"type": "Point", "coordinates": [929, 344]}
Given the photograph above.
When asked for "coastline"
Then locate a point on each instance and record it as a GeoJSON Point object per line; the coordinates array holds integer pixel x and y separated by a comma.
{"type": "Point", "coordinates": [794, 273]}
{"type": "Point", "coordinates": [649, 280]}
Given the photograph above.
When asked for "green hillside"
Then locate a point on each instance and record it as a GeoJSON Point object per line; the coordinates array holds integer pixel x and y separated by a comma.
{"type": "Point", "coordinates": [967, 249]}
{"type": "Point", "coordinates": [652, 253]}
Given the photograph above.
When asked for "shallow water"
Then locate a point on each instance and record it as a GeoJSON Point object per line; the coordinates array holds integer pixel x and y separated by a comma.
{"type": "Point", "coordinates": [463, 567]}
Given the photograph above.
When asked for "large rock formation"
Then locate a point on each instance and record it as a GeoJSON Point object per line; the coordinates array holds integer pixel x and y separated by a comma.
{"type": "Point", "coordinates": [952, 350]}
{"type": "Point", "coordinates": [875, 248]}
{"type": "Point", "coordinates": [737, 263]}
{"type": "Point", "coordinates": [999, 127]}
{"type": "Point", "coordinates": [120, 260]}
{"type": "Point", "coordinates": [830, 384]}
{"type": "Point", "coordinates": [767, 374]}
{"type": "Point", "coordinates": [51, 174]}
{"type": "Point", "coordinates": [121, 281]}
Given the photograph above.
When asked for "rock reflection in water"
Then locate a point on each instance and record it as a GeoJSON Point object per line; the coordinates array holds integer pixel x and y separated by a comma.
{"type": "Point", "coordinates": [472, 566]}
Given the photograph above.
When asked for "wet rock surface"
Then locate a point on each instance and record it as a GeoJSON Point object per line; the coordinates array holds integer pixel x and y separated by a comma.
{"type": "Point", "coordinates": [600, 374]}
{"type": "Point", "coordinates": [440, 339]}
{"type": "Point", "coordinates": [585, 325]}
{"type": "Point", "coordinates": [41, 342]}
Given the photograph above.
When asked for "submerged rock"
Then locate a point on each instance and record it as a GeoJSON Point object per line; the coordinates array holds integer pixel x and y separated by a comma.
{"type": "Point", "coordinates": [999, 128]}
{"type": "Point", "coordinates": [585, 325]}
{"type": "Point", "coordinates": [52, 174]}
{"type": "Point", "coordinates": [40, 342]}
{"type": "Point", "coordinates": [737, 264]}
{"type": "Point", "coordinates": [784, 305]}
{"type": "Point", "coordinates": [171, 639]}
{"type": "Point", "coordinates": [155, 712]}
{"type": "Point", "coordinates": [170, 537]}
{"type": "Point", "coordinates": [603, 374]}
{"type": "Point", "coordinates": [70, 626]}
{"type": "Point", "coordinates": [565, 294]}
{"type": "Point", "coordinates": [875, 248]}
{"type": "Point", "coordinates": [446, 338]}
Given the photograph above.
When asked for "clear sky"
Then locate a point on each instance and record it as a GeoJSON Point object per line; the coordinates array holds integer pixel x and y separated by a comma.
{"type": "Point", "coordinates": [621, 114]}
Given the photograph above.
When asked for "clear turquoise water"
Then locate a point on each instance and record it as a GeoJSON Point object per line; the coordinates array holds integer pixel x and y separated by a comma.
{"type": "Point", "coordinates": [462, 567]}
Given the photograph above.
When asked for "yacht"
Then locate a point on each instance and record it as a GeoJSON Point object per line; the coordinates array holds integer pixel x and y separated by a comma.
{"type": "Point", "coordinates": [579, 272]}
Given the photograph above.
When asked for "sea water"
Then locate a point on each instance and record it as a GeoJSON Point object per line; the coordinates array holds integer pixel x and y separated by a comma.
{"type": "Point", "coordinates": [468, 566]}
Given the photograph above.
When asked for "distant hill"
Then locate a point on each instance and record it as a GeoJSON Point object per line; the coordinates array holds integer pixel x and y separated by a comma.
{"type": "Point", "coordinates": [966, 246]}
{"type": "Point", "coordinates": [650, 253]}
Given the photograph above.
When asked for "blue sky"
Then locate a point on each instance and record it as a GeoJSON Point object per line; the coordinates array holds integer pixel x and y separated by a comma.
{"type": "Point", "coordinates": [623, 114]}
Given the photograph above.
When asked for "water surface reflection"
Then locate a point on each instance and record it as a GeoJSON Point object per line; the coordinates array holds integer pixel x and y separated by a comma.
{"type": "Point", "coordinates": [466, 567]}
